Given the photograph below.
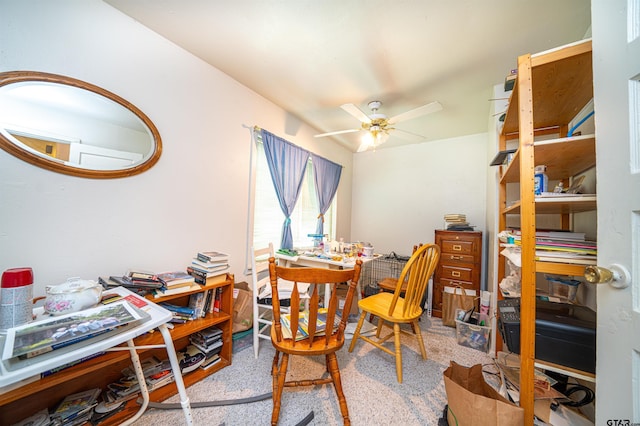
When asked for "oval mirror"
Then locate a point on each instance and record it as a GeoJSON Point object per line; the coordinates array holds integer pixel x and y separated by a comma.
{"type": "Point", "coordinates": [73, 127]}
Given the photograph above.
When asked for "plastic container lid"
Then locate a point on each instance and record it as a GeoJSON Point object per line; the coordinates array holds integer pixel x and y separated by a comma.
{"type": "Point", "coordinates": [17, 277]}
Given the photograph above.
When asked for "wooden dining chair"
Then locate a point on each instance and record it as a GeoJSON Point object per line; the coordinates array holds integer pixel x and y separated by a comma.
{"type": "Point", "coordinates": [310, 332]}
{"type": "Point", "coordinates": [392, 309]}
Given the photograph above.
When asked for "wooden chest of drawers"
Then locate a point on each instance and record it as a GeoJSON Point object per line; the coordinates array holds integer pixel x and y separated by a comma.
{"type": "Point", "coordinates": [460, 264]}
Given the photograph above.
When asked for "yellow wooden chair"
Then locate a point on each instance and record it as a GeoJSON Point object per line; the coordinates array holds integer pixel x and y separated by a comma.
{"type": "Point", "coordinates": [392, 309]}
{"type": "Point", "coordinates": [306, 334]}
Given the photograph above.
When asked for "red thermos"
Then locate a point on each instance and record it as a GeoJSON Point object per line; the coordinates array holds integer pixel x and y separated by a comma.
{"type": "Point", "coordinates": [16, 297]}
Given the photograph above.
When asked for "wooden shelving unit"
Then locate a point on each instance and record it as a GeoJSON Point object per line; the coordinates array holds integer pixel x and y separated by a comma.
{"type": "Point", "coordinates": [104, 369]}
{"type": "Point", "coordinates": [551, 89]}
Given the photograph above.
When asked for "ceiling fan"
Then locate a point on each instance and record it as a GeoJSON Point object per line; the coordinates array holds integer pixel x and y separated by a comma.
{"type": "Point", "coordinates": [378, 126]}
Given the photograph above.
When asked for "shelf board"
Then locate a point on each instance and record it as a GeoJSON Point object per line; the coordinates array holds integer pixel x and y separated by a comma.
{"type": "Point", "coordinates": [564, 75]}
{"type": "Point", "coordinates": [164, 392]}
{"type": "Point", "coordinates": [568, 371]}
{"type": "Point", "coordinates": [570, 269]}
{"type": "Point", "coordinates": [558, 205]}
{"type": "Point", "coordinates": [564, 157]}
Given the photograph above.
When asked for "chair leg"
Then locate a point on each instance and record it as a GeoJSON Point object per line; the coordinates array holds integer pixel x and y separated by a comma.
{"type": "Point", "coordinates": [278, 385]}
{"type": "Point", "coordinates": [256, 339]}
{"type": "Point", "coordinates": [356, 333]}
{"type": "Point", "coordinates": [418, 334]}
{"type": "Point", "coordinates": [396, 332]}
{"type": "Point", "coordinates": [332, 366]}
{"type": "Point", "coordinates": [379, 329]}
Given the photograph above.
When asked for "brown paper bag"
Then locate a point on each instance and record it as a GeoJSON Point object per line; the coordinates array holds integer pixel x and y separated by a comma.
{"type": "Point", "coordinates": [459, 299]}
{"type": "Point", "coordinates": [472, 401]}
{"type": "Point", "coordinates": [242, 307]}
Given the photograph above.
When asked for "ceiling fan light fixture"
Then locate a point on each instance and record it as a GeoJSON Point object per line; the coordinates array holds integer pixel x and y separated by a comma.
{"type": "Point", "coordinates": [372, 138]}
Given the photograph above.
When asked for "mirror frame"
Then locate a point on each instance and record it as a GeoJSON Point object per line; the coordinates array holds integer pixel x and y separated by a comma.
{"type": "Point", "coordinates": [57, 166]}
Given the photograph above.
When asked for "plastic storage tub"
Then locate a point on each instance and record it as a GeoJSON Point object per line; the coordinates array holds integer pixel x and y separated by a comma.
{"type": "Point", "coordinates": [473, 336]}
{"type": "Point", "coordinates": [563, 288]}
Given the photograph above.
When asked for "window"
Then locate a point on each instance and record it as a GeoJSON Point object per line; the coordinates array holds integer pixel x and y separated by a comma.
{"type": "Point", "coordinates": [268, 217]}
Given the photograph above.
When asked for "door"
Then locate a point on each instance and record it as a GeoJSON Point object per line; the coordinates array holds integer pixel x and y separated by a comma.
{"type": "Point", "coordinates": [616, 64]}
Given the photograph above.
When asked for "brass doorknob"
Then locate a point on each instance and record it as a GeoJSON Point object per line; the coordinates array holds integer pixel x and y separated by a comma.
{"type": "Point", "coordinates": [617, 275]}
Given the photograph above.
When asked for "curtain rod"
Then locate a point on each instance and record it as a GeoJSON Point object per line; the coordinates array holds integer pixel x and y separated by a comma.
{"type": "Point", "coordinates": [257, 129]}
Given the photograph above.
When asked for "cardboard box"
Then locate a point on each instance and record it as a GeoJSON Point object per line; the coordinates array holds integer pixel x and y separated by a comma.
{"type": "Point", "coordinates": [242, 307]}
{"type": "Point", "coordinates": [342, 295]}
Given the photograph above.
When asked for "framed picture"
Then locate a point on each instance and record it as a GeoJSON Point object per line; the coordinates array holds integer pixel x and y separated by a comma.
{"type": "Point", "coordinates": [46, 335]}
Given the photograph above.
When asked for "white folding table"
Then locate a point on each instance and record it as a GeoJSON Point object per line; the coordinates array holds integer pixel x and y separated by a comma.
{"type": "Point", "coordinates": [13, 371]}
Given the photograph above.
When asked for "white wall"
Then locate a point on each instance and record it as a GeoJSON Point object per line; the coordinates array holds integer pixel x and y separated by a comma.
{"type": "Point", "coordinates": [194, 198]}
{"type": "Point", "coordinates": [400, 195]}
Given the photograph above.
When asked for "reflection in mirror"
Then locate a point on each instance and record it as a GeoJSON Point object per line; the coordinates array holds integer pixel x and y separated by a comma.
{"type": "Point", "coordinates": [73, 127]}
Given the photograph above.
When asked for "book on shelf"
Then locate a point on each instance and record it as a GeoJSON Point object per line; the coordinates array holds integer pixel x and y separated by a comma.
{"type": "Point", "coordinates": [209, 266]}
{"type": "Point", "coordinates": [156, 373]}
{"type": "Point", "coordinates": [210, 362]}
{"type": "Point", "coordinates": [208, 300]}
{"type": "Point", "coordinates": [185, 310]}
{"type": "Point", "coordinates": [41, 418]}
{"type": "Point", "coordinates": [190, 358]}
{"type": "Point", "coordinates": [126, 282]}
{"type": "Point", "coordinates": [76, 405]}
{"type": "Point", "coordinates": [67, 329]}
{"type": "Point", "coordinates": [196, 301]}
{"type": "Point", "coordinates": [207, 349]}
{"type": "Point", "coordinates": [209, 333]}
{"type": "Point", "coordinates": [175, 278]}
{"type": "Point", "coordinates": [217, 300]}
{"type": "Point", "coordinates": [140, 275]}
{"type": "Point", "coordinates": [212, 256]}
{"type": "Point", "coordinates": [162, 292]}
{"type": "Point", "coordinates": [203, 277]}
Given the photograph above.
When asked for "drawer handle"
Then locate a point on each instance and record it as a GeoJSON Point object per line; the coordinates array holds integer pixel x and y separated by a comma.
{"type": "Point", "coordinates": [456, 257]}
{"type": "Point", "coordinates": [456, 247]}
{"type": "Point", "coordinates": [455, 274]}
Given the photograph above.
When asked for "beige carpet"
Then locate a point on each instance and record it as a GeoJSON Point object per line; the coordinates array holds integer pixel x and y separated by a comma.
{"type": "Point", "coordinates": [373, 394]}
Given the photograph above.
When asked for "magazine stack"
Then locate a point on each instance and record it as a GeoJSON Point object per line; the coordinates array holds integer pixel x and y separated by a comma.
{"type": "Point", "coordinates": [209, 341]}
{"type": "Point", "coordinates": [77, 408]}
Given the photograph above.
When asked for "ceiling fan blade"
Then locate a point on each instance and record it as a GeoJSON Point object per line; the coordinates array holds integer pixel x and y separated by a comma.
{"type": "Point", "coordinates": [339, 132]}
{"type": "Point", "coordinates": [413, 137]}
{"type": "Point", "coordinates": [356, 112]}
{"type": "Point", "coordinates": [416, 112]}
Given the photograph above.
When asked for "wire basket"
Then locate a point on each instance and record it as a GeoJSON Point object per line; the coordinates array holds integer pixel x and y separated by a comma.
{"type": "Point", "coordinates": [387, 266]}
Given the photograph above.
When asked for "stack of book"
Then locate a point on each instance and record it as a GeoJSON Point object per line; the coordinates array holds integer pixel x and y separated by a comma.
{"type": "Point", "coordinates": [456, 222]}
{"type": "Point", "coordinates": [562, 247]}
{"type": "Point", "coordinates": [181, 314]}
{"type": "Point", "coordinates": [77, 408]}
{"type": "Point", "coordinates": [138, 282]}
{"type": "Point", "coordinates": [208, 264]}
{"type": "Point", "coordinates": [190, 358]}
{"type": "Point", "coordinates": [156, 374]}
{"type": "Point", "coordinates": [175, 282]}
{"type": "Point", "coordinates": [209, 342]}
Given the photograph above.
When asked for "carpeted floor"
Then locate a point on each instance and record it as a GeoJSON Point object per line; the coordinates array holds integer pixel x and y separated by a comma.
{"type": "Point", "coordinates": [369, 380]}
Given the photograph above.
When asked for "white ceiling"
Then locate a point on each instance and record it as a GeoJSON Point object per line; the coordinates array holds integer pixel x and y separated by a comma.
{"type": "Point", "coordinates": [310, 57]}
